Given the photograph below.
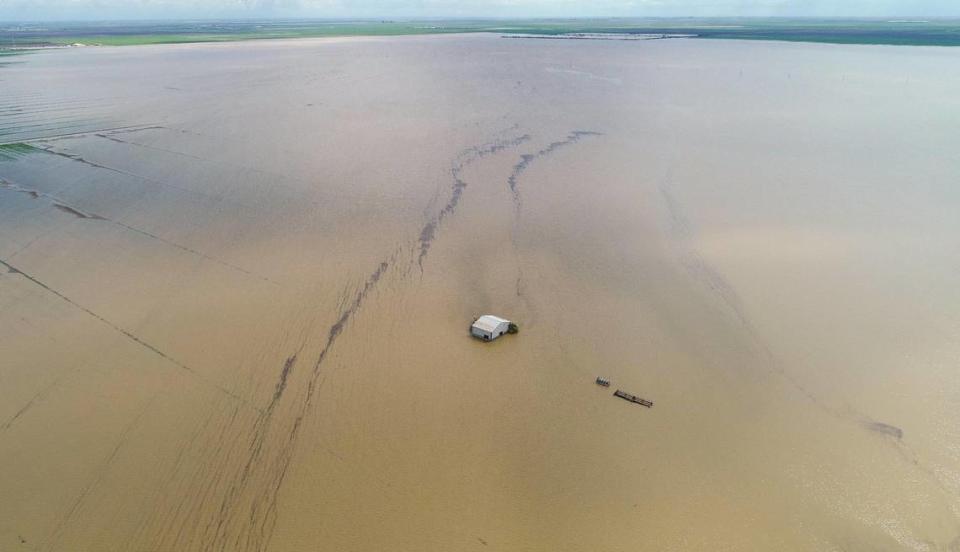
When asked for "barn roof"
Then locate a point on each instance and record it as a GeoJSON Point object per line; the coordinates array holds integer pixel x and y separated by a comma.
{"type": "Point", "coordinates": [489, 322]}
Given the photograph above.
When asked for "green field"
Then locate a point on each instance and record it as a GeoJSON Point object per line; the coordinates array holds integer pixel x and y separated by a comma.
{"type": "Point", "coordinates": [934, 32]}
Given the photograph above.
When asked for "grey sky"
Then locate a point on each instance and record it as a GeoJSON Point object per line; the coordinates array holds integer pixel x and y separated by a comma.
{"type": "Point", "coordinates": [139, 9]}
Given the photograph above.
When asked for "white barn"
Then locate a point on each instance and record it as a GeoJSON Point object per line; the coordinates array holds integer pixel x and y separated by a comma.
{"type": "Point", "coordinates": [489, 327]}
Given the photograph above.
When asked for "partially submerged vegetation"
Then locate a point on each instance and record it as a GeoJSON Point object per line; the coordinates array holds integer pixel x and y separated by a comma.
{"type": "Point", "coordinates": [9, 152]}
{"type": "Point", "coordinates": [933, 32]}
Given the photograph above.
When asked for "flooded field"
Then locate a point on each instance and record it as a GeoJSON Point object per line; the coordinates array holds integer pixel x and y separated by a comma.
{"type": "Point", "coordinates": [236, 282]}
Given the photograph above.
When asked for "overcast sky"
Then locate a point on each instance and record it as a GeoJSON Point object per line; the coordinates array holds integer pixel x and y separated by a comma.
{"type": "Point", "coordinates": [140, 9]}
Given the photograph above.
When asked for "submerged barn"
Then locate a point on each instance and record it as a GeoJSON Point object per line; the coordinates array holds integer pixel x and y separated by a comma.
{"type": "Point", "coordinates": [489, 327]}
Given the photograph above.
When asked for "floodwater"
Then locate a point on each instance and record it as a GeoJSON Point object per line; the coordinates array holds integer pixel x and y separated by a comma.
{"type": "Point", "coordinates": [237, 279]}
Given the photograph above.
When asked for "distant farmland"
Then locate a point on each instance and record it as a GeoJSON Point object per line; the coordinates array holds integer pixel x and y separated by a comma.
{"type": "Point", "coordinates": [934, 32]}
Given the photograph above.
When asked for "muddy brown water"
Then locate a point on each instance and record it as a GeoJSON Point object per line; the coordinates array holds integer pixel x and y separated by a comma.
{"type": "Point", "coordinates": [238, 277]}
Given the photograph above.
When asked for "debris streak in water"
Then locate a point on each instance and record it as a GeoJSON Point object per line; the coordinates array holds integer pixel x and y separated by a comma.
{"type": "Point", "coordinates": [428, 233]}
{"type": "Point", "coordinates": [526, 159]}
